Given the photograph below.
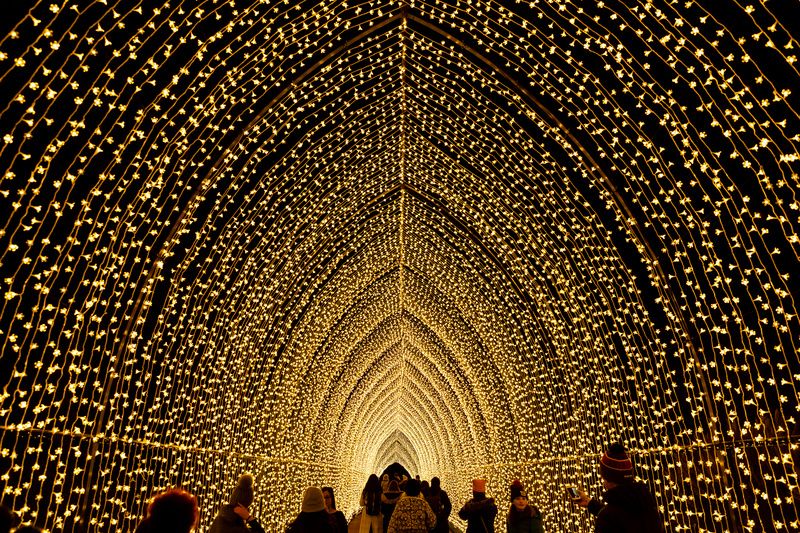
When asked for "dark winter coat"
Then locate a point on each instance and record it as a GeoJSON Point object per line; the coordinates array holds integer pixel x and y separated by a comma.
{"type": "Point", "coordinates": [479, 513]}
{"type": "Point", "coordinates": [316, 522]}
{"type": "Point", "coordinates": [227, 521]}
{"type": "Point", "coordinates": [388, 502]}
{"type": "Point", "coordinates": [337, 522]}
{"type": "Point", "coordinates": [528, 520]}
{"type": "Point", "coordinates": [628, 508]}
{"type": "Point", "coordinates": [441, 507]}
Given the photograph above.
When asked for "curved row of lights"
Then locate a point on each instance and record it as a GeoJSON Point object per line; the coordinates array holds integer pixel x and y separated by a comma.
{"type": "Point", "coordinates": [479, 238]}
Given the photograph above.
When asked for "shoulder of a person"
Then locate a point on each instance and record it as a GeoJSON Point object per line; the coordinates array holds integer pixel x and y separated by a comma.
{"type": "Point", "coordinates": [610, 512]}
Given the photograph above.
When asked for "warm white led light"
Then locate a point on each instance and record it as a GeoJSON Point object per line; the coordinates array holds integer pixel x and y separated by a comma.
{"type": "Point", "coordinates": [480, 238]}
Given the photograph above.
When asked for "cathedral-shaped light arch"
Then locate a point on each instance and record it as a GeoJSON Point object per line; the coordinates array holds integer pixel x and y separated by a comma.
{"type": "Point", "coordinates": [484, 238]}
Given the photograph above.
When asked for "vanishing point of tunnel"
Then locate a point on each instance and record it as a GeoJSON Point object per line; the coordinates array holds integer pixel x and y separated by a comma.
{"type": "Point", "coordinates": [477, 238]}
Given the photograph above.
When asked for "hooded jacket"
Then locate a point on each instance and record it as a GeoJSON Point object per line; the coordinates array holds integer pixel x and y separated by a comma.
{"type": "Point", "coordinates": [628, 508]}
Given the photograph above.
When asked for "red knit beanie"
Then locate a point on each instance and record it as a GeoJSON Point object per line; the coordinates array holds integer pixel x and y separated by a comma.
{"type": "Point", "coordinates": [615, 465]}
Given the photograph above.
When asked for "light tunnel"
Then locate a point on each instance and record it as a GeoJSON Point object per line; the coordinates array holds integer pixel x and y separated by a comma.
{"type": "Point", "coordinates": [480, 239]}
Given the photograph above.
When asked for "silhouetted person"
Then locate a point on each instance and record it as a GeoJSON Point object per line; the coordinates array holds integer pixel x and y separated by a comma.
{"type": "Point", "coordinates": [440, 505]}
{"type": "Point", "coordinates": [371, 518]}
{"type": "Point", "coordinates": [172, 511]}
{"type": "Point", "coordinates": [235, 517]}
{"type": "Point", "coordinates": [479, 512]}
{"type": "Point", "coordinates": [424, 487]}
{"type": "Point", "coordinates": [313, 517]}
{"type": "Point", "coordinates": [389, 500]}
{"type": "Point", "coordinates": [627, 504]}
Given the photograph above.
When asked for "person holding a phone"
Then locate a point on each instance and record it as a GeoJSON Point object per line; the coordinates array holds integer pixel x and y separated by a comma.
{"type": "Point", "coordinates": [627, 504]}
{"type": "Point", "coordinates": [522, 516]}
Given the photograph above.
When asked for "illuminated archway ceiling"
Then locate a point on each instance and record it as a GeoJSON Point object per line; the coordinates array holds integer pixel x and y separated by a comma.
{"type": "Point", "coordinates": [477, 238]}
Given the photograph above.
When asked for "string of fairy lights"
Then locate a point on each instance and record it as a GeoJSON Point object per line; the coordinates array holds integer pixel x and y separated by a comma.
{"type": "Point", "coordinates": [478, 238]}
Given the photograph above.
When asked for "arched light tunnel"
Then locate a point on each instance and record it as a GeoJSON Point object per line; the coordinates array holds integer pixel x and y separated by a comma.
{"type": "Point", "coordinates": [480, 239]}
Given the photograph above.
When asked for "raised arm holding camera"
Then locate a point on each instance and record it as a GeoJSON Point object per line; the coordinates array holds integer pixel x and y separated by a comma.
{"type": "Point", "coordinates": [627, 505]}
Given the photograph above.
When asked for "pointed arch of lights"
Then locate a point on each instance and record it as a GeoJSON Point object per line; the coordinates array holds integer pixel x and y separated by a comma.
{"type": "Point", "coordinates": [398, 448]}
{"type": "Point", "coordinates": [478, 238]}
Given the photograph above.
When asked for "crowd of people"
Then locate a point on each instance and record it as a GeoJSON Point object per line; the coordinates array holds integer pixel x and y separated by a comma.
{"type": "Point", "coordinates": [398, 504]}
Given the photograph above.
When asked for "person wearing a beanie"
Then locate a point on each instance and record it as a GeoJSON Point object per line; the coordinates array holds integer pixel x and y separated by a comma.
{"type": "Point", "coordinates": [371, 517]}
{"type": "Point", "coordinates": [412, 514]}
{"type": "Point", "coordinates": [389, 499]}
{"type": "Point", "coordinates": [313, 517]}
{"type": "Point", "coordinates": [234, 516]}
{"type": "Point", "coordinates": [336, 518]}
{"type": "Point", "coordinates": [522, 516]}
{"type": "Point", "coordinates": [627, 505]}
{"type": "Point", "coordinates": [440, 505]}
{"type": "Point", "coordinates": [479, 512]}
